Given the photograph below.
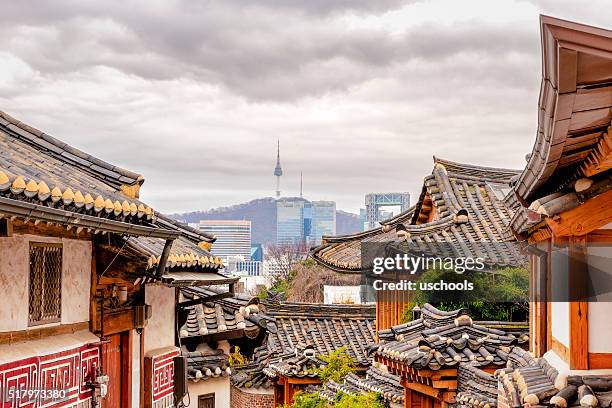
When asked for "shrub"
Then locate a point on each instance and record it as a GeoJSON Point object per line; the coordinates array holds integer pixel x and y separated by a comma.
{"type": "Point", "coordinates": [502, 295]}
{"type": "Point", "coordinates": [303, 399]}
{"type": "Point", "coordinates": [370, 400]}
{"type": "Point", "coordinates": [339, 364]}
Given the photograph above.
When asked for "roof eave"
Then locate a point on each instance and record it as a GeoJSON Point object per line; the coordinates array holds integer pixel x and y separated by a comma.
{"type": "Point", "coordinates": [22, 209]}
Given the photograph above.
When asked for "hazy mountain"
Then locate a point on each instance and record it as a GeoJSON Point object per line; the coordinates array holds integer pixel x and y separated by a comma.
{"type": "Point", "coordinates": [262, 214]}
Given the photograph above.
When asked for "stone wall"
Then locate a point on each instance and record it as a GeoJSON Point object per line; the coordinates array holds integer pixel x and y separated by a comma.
{"type": "Point", "coordinates": [251, 398]}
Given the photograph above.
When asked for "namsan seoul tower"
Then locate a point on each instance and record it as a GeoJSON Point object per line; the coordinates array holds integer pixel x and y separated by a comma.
{"type": "Point", "coordinates": [278, 171]}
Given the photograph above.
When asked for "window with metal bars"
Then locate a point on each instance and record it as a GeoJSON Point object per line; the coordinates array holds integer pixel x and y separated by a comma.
{"type": "Point", "coordinates": [45, 299]}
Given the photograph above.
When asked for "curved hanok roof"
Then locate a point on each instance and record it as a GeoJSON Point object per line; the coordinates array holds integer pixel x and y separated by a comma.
{"type": "Point", "coordinates": [56, 181]}
{"type": "Point", "coordinates": [205, 364]}
{"type": "Point", "coordinates": [326, 327]}
{"type": "Point", "coordinates": [37, 168]}
{"type": "Point", "coordinates": [440, 339]}
{"type": "Point", "coordinates": [376, 380]}
{"type": "Point", "coordinates": [304, 332]}
{"type": "Point", "coordinates": [573, 139]}
{"type": "Point", "coordinates": [239, 313]}
{"type": "Point", "coordinates": [460, 205]}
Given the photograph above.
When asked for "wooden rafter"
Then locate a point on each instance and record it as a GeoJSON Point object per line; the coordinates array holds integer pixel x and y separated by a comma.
{"type": "Point", "coordinates": [600, 158]}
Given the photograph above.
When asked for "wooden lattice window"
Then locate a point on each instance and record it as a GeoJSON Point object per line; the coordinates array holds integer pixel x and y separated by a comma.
{"type": "Point", "coordinates": [206, 400]}
{"type": "Point", "coordinates": [45, 299]}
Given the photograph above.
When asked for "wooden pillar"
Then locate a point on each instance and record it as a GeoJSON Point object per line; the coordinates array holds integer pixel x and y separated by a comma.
{"type": "Point", "coordinates": [288, 393]}
{"type": "Point", "coordinates": [578, 287]}
{"type": "Point", "coordinates": [407, 394]}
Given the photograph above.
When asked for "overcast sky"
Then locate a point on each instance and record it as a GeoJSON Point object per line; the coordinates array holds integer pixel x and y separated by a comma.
{"type": "Point", "coordinates": [362, 94]}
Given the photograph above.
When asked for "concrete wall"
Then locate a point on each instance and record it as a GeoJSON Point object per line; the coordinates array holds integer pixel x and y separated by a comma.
{"type": "Point", "coordinates": [15, 272]}
{"type": "Point", "coordinates": [220, 386]}
{"type": "Point", "coordinates": [159, 331]}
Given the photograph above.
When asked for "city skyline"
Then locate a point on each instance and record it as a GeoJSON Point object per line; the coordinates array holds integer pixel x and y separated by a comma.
{"type": "Point", "coordinates": [169, 91]}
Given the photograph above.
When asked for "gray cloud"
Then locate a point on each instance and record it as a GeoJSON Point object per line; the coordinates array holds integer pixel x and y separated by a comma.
{"type": "Point", "coordinates": [361, 94]}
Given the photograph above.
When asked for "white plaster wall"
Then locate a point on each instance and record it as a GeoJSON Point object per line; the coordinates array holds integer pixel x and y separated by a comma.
{"type": "Point", "coordinates": [560, 310]}
{"type": "Point", "coordinates": [560, 322]}
{"type": "Point", "coordinates": [14, 276]}
{"type": "Point", "coordinates": [600, 327]}
{"type": "Point", "coordinates": [14, 264]}
{"type": "Point", "coordinates": [135, 368]}
{"type": "Point", "coordinates": [76, 281]}
{"type": "Point", "coordinates": [599, 258]}
{"type": "Point", "coordinates": [600, 311]}
{"type": "Point", "coordinates": [220, 386]}
{"type": "Point", "coordinates": [159, 331]}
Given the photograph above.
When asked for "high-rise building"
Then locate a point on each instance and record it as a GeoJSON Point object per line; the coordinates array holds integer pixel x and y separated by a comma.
{"type": "Point", "coordinates": [233, 237]}
{"type": "Point", "coordinates": [375, 202]}
{"type": "Point", "coordinates": [303, 221]}
{"type": "Point", "coordinates": [323, 220]}
{"type": "Point", "coordinates": [290, 221]}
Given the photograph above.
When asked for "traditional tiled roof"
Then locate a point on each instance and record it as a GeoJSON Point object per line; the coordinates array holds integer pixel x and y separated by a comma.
{"type": "Point", "coordinates": [305, 332]}
{"type": "Point", "coordinates": [44, 179]}
{"type": "Point", "coordinates": [325, 327]}
{"type": "Point", "coordinates": [574, 139]}
{"type": "Point", "coordinates": [461, 208]}
{"type": "Point", "coordinates": [375, 380]}
{"type": "Point", "coordinates": [529, 381]}
{"type": "Point", "coordinates": [37, 168]}
{"type": "Point", "coordinates": [428, 317]}
{"type": "Point", "coordinates": [188, 262]}
{"type": "Point", "coordinates": [202, 365]}
{"type": "Point", "coordinates": [302, 362]}
{"type": "Point", "coordinates": [239, 313]}
{"type": "Point", "coordinates": [444, 339]}
{"type": "Point", "coordinates": [475, 388]}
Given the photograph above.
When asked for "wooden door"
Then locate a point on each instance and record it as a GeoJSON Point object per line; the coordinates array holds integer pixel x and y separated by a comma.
{"type": "Point", "coordinates": [112, 366]}
{"type": "Point", "coordinates": [206, 401]}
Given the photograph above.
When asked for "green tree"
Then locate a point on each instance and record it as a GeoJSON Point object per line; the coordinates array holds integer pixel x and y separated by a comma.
{"type": "Point", "coordinates": [370, 400]}
{"type": "Point", "coordinates": [338, 365]}
{"type": "Point", "coordinates": [499, 295]}
{"type": "Point", "coordinates": [303, 399]}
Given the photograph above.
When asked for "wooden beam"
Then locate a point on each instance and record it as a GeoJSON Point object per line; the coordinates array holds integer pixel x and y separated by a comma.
{"type": "Point", "coordinates": [446, 384]}
{"type": "Point", "coordinates": [118, 322]}
{"type": "Point", "coordinates": [581, 220]}
{"type": "Point", "coordinates": [560, 349]}
{"type": "Point", "coordinates": [599, 361]}
{"type": "Point", "coordinates": [41, 333]}
{"type": "Point", "coordinates": [424, 389]}
{"type": "Point", "coordinates": [303, 380]}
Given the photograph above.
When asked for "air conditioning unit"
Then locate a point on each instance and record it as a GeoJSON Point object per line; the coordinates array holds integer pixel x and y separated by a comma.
{"type": "Point", "coordinates": [142, 313]}
{"type": "Point", "coordinates": [180, 378]}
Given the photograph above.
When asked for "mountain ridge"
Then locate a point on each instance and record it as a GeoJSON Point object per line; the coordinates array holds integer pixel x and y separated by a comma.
{"type": "Point", "coordinates": [262, 214]}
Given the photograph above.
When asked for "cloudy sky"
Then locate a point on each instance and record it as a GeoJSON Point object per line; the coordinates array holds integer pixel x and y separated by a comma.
{"type": "Point", "coordinates": [361, 94]}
